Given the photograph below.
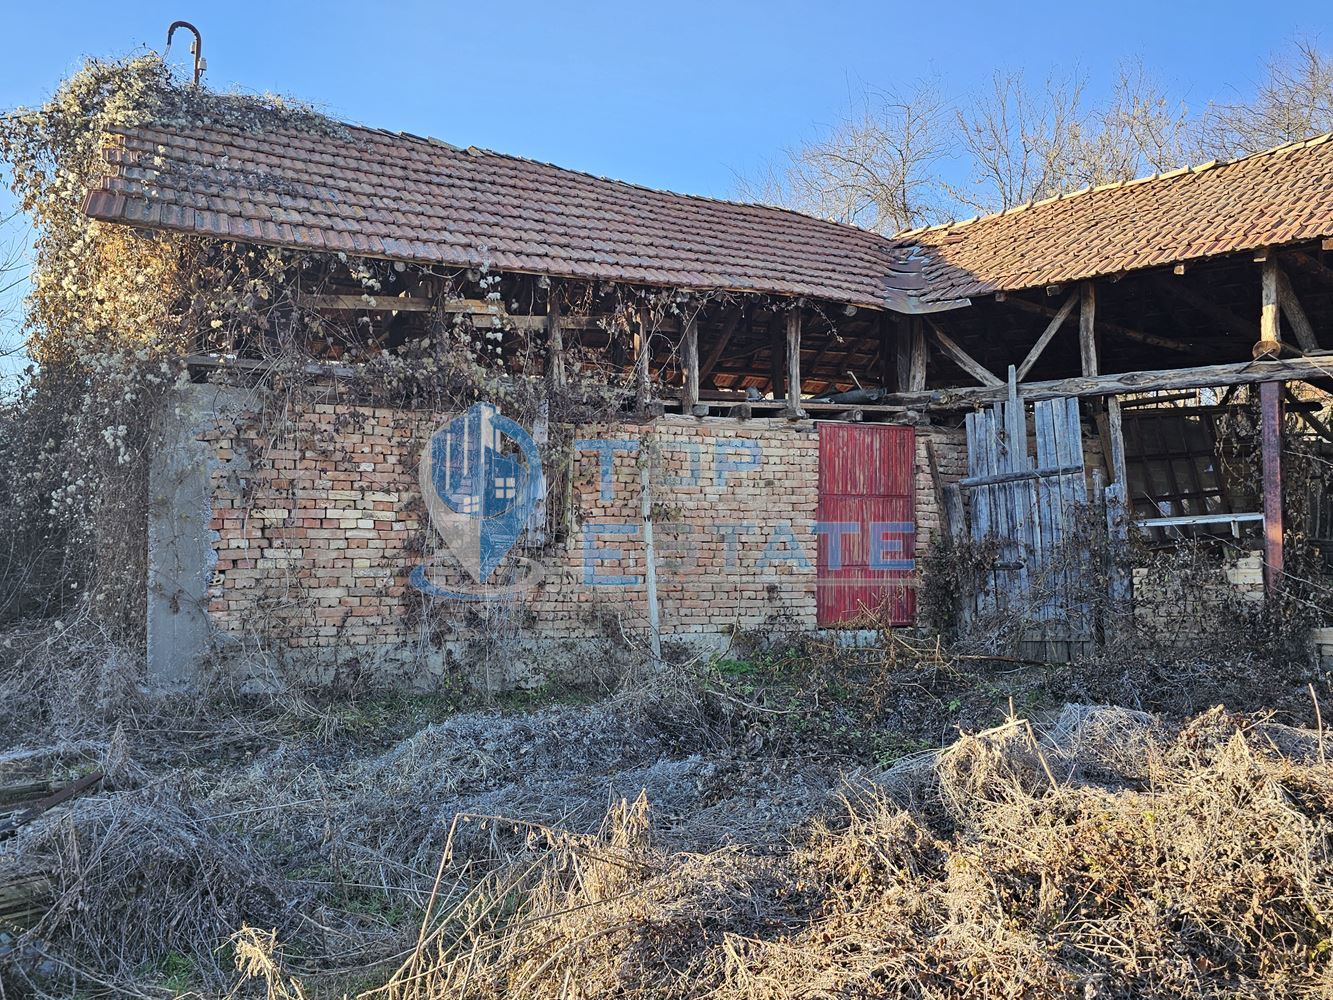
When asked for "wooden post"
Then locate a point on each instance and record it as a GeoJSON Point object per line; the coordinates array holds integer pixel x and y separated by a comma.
{"type": "Point", "coordinates": [1270, 403]}
{"type": "Point", "coordinates": [776, 362]}
{"type": "Point", "coordinates": [1115, 428]}
{"type": "Point", "coordinates": [649, 554]}
{"type": "Point", "coordinates": [641, 358]}
{"type": "Point", "coordinates": [886, 356]}
{"type": "Point", "coordinates": [918, 355]}
{"type": "Point", "coordinates": [555, 341]}
{"type": "Point", "coordinates": [1087, 339]}
{"type": "Point", "coordinates": [1119, 580]}
{"type": "Point", "coordinates": [1270, 323]}
{"type": "Point", "coordinates": [690, 399]}
{"type": "Point", "coordinates": [794, 362]}
{"type": "Point", "coordinates": [1115, 431]}
{"type": "Point", "coordinates": [1270, 406]}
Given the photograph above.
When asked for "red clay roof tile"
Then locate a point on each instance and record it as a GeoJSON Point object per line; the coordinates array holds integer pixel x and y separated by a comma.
{"type": "Point", "coordinates": [402, 197]}
{"type": "Point", "coordinates": [415, 199]}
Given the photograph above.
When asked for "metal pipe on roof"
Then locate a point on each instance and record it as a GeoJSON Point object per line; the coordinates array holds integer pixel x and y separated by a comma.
{"type": "Point", "coordinates": [196, 47]}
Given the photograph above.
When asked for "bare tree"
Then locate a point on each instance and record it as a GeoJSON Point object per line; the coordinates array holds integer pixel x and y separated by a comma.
{"type": "Point", "coordinates": [874, 168]}
{"type": "Point", "coordinates": [14, 271]}
{"type": "Point", "coordinates": [1021, 144]}
{"type": "Point", "coordinates": [1293, 101]}
{"type": "Point", "coordinates": [1140, 131]}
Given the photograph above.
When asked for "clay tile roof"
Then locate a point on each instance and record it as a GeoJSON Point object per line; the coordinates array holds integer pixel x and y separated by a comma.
{"type": "Point", "coordinates": [1283, 195]}
{"type": "Point", "coordinates": [380, 194]}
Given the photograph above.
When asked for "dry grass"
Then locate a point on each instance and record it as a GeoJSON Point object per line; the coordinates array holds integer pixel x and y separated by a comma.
{"type": "Point", "coordinates": [1109, 859]}
{"type": "Point", "coordinates": [744, 833]}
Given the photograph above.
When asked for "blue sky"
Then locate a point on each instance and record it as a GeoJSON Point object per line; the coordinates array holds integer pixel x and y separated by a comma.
{"type": "Point", "coordinates": [681, 95]}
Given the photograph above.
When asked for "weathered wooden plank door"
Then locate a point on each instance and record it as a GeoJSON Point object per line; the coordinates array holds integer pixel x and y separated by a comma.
{"type": "Point", "coordinates": [867, 514]}
{"type": "Point", "coordinates": [1026, 505]}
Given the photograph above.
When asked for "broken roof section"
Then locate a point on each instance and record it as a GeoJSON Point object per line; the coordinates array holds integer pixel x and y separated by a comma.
{"type": "Point", "coordinates": [1283, 195]}
{"type": "Point", "coordinates": [380, 194]}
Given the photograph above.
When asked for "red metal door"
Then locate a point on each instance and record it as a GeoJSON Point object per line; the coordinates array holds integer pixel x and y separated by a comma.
{"type": "Point", "coordinates": [867, 530]}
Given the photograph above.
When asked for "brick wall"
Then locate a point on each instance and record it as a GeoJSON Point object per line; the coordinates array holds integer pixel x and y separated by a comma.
{"type": "Point", "coordinates": [1162, 604]}
{"type": "Point", "coordinates": [950, 447]}
{"type": "Point", "coordinates": [315, 525]}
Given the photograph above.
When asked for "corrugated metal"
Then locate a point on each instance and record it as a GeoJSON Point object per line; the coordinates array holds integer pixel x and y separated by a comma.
{"type": "Point", "coordinates": [866, 477]}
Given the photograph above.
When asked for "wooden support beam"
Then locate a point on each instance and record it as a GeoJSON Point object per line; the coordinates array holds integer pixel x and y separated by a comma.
{"type": "Point", "coordinates": [1152, 340]}
{"type": "Point", "coordinates": [960, 357]}
{"type": "Point", "coordinates": [887, 329]}
{"type": "Point", "coordinates": [642, 355]}
{"type": "Point", "coordinates": [913, 354]}
{"type": "Point", "coordinates": [918, 358]}
{"type": "Point", "coordinates": [1223, 317]}
{"type": "Point", "coordinates": [777, 345]}
{"type": "Point", "coordinates": [1087, 334]}
{"type": "Point", "coordinates": [1270, 405]}
{"type": "Point", "coordinates": [1270, 437]}
{"type": "Point", "coordinates": [1294, 313]}
{"type": "Point", "coordinates": [1115, 432]}
{"type": "Point", "coordinates": [1313, 367]}
{"type": "Point", "coordinates": [1052, 328]}
{"type": "Point", "coordinates": [555, 342]}
{"type": "Point", "coordinates": [794, 362]}
{"type": "Point", "coordinates": [1297, 406]}
{"type": "Point", "coordinates": [1270, 320]}
{"type": "Point", "coordinates": [690, 348]}
{"type": "Point", "coordinates": [366, 303]}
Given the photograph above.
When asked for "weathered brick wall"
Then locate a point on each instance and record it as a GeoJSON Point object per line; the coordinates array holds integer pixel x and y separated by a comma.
{"type": "Point", "coordinates": [950, 447]}
{"type": "Point", "coordinates": [1323, 643]}
{"type": "Point", "coordinates": [317, 523]}
{"type": "Point", "coordinates": [1160, 604]}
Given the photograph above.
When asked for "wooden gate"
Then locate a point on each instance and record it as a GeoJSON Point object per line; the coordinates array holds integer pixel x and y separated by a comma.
{"type": "Point", "coordinates": [1026, 505]}
{"type": "Point", "coordinates": [867, 513]}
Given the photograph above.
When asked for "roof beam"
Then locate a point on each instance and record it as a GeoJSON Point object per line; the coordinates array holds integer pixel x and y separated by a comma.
{"type": "Point", "coordinates": [370, 303]}
{"type": "Point", "coordinates": [1312, 367]}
